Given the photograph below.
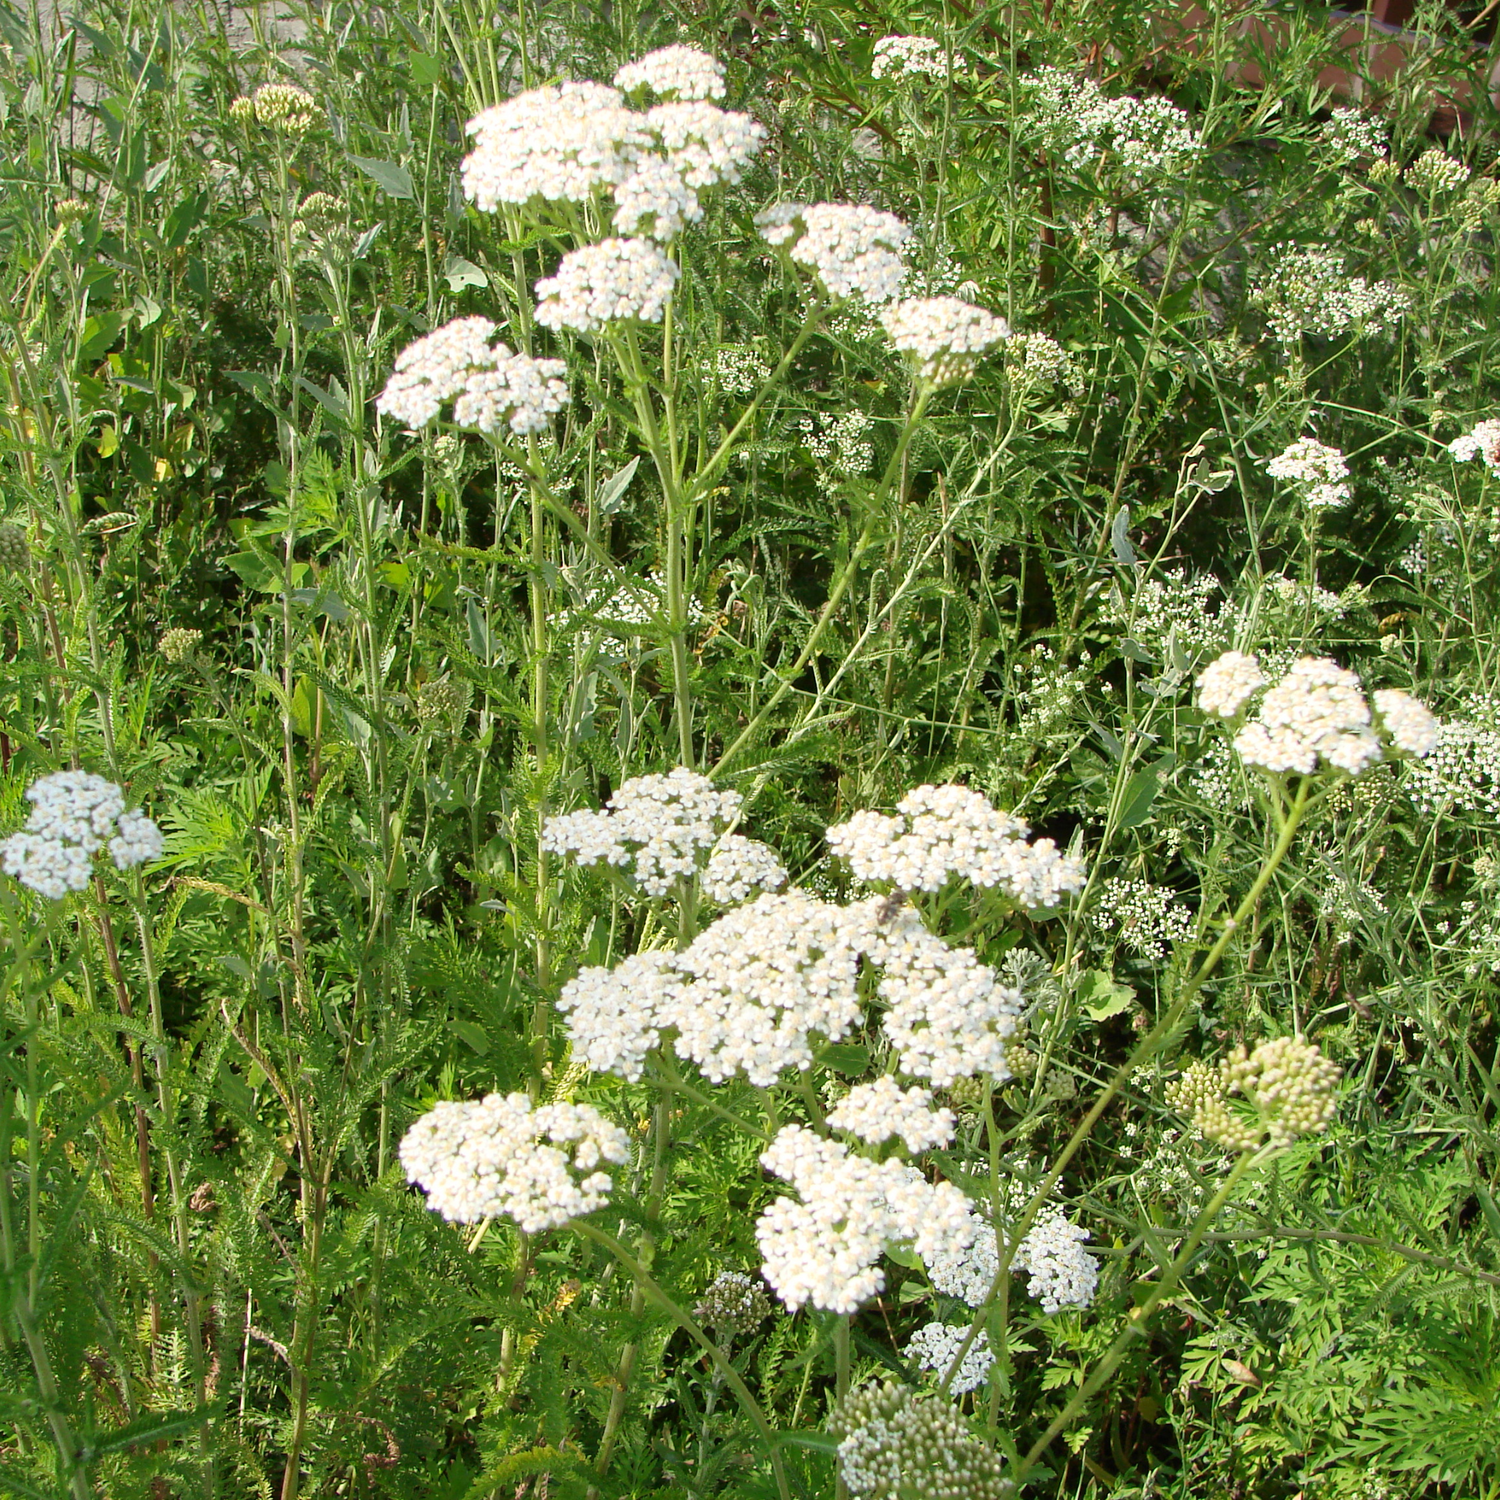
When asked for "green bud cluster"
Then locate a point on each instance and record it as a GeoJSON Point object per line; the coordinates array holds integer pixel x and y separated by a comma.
{"type": "Point", "coordinates": [443, 701]}
{"type": "Point", "coordinates": [1289, 1082]}
{"type": "Point", "coordinates": [733, 1303]}
{"type": "Point", "coordinates": [896, 1443]}
{"type": "Point", "coordinates": [179, 645]}
{"type": "Point", "coordinates": [15, 554]}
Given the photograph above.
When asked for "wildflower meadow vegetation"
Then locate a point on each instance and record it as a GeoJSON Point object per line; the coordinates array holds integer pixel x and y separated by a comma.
{"type": "Point", "coordinates": [746, 752]}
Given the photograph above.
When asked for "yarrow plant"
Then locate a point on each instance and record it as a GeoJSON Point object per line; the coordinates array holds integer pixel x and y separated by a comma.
{"type": "Point", "coordinates": [75, 814]}
{"type": "Point", "coordinates": [1317, 472]}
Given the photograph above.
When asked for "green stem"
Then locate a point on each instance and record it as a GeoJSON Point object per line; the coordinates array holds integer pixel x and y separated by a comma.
{"type": "Point", "coordinates": [654, 1294]}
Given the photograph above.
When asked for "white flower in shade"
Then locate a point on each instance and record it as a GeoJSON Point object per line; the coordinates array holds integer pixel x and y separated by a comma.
{"type": "Point", "coordinates": [558, 143]}
{"type": "Point", "coordinates": [1063, 1273]}
{"type": "Point", "coordinates": [967, 1271]}
{"type": "Point", "coordinates": [1147, 136]}
{"type": "Point", "coordinates": [944, 338]}
{"type": "Point", "coordinates": [1316, 470]}
{"type": "Point", "coordinates": [683, 71]}
{"type": "Point", "coordinates": [947, 1014]}
{"type": "Point", "coordinates": [703, 143]}
{"type": "Point", "coordinates": [908, 57]}
{"type": "Point", "coordinates": [1316, 710]}
{"type": "Point", "coordinates": [656, 825]}
{"type": "Point", "coordinates": [1412, 726]}
{"type": "Point", "coordinates": [942, 831]}
{"type": "Point", "coordinates": [654, 200]}
{"type": "Point", "coordinates": [1228, 683]}
{"type": "Point", "coordinates": [935, 1346]}
{"type": "Point", "coordinates": [606, 283]}
{"type": "Point", "coordinates": [825, 1249]}
{"type": "Point", "coordinates": [479, 1159]}
{"type": "Point", "coordinates": [740, 868]}
{"type": "Point", "coordinates": [614, 1014]}
{"type": "Point", "coordinates": [763, 982]}
{"type": "Point", "coordinates": [1482, 442]}
{"type": "Point", "coordinates": [75, 814]}
{"type": "Point", "coordinates": [874, 1112]}
{"type": "Point", "coordinates": [852, 249]}
{"type": "Point", "coordinates": [1304, 290]}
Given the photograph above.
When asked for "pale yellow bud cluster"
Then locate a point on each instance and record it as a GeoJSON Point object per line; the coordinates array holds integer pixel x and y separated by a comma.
{"type": "Point", "coordinates": [1291, 1085]}
{"type": "Point", "coordinates": [71, 210]}
{"type": "Point", "coordinates": [179, 645]}
{"type": "Point", "coordinates": [283, 106]}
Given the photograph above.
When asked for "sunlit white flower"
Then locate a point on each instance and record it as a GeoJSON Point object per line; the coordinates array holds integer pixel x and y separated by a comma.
{"type": "Point", "coordinates": [75, 814]}
{"type": "Point", "coordinates": [874, 1112]}
{"type": "Point", "coordinates": [1316, 710]}
{"type": "Point", "coordinates": [611, 281]}
{"type": "Point", "coordinates": [740, 868]}
{"type": "Point", "coordinates": [681, 71]}
{"type": "Point", "coordinates": [944, 337]}
{"type": "Point", "coordinates": [1316, 470]}
{"type": "Point", "coordinates": [853, 249]}
{"type": "Point", "coordinates": [1412, 726]}
{"type": "Point", "coordinates": [1482, 442]}
{"type": "Point", "coordinates": [479, 1159]}
{"type": "Point", "coordinates": [935, 1346]}
{"type": "Point", "coordinates": [1063, 1273]}
{"type": "Point", "coordinates": [1228, 683]}
{"type": "Point", "coordinates": [654, 200]}
{"type": "Point", "coordinates": [703, 143]}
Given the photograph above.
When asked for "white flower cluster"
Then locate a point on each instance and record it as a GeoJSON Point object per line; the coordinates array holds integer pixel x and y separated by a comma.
{"type": "Point", "coordinates": [1463, 769]}
{"type": "Point", "coordinates": [75, 814]}
{"type": "Point", "coordinates": [1149, 136]}
{"type": "Point", "coordinates": [481, 1158]}
{"type": "Point", "coordinates": [1063, 1273]}
{"type": "Point", "coordinates": [1169, 611]}
{"type": "Point", "coordinates": [1434, 171]}
{"type": "Point", "coordinates": [874, 1112]}
{"type": "Point", "coordinates": [604, 283]}
{"type": "Point", "coordinates": [841, 444]}
{"type": "Point", "coordinates": [565, 142]}
{"type": "Point", "coordinates": [942, 831]}
{"type": "Point", "coordinates": [681, 71]}
{"type": "Point", "coordinates": [1316, 710]}
{"type": "Point", "coordinates": [1228, 683]}
{"type": "Point", "coordinates": [944, 337]}
{"type": "Point", "coordinates": [739, 369]}
{"type": "Point", "coordinates": [1411, 725]}
{"type": "Point", "coordinates": [494, 388]}
{"type": "Point", "coordinates": [614, 1015]}
{"type": "Point", "coordinates": [851, 248]}
{"type": "Point", "coordinates": [1034, 360]}
{"type": "Point", "coordinates": [908, 57]}
{"type": "Point", "coordinates": [1350, 134]}
{"type": "Point", "coordinates": [740, 868]}
{"type": "Point", "coordinates": [934, 1346]}
{"type": "Point", "coordinates": [1146, 916]}
{"type": "Point", "coordinates": [1483, 442]}
{"type": "Point", "coordinates": [558, 143]}
{"type": "Point", "coordinates": [1315, 469]}
{"type": "Point", "coordinates": [947, 1014]}
{"type": "Point", "coordinates": [825, 1249]}
{"type": "Point", "coordinates": [1308, 291]}
{"type": "Point", "coordinates": [655, 825]}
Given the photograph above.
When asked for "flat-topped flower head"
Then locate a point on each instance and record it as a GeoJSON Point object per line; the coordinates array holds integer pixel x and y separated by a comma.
{"type": "Point", "coordinates": [853, 250]}
{"type": "Point", "coordinates": [1317, 712]}
{"type": "Point", "coordinates": [1228, 683]}
{"type": "Point", "coordinates": [674, 72]}
{"type": "Point", "coordinates": [874, 1112]}
{"type": "Point", "coordinates": [703, 143]}
{"type": "Point", "coordinates": [1318, 473]}
{"type": "Point", "coordinates": [1290, 1085]}
{"type": "Point", "coordinates": [616, 280]}
{"type": "Point", "coordinates": [1409, 723]}
{"type": "Point", "coordinates": [740, 868]}
{"type": "Point", "coordinates": [935, 1346]}
{"type": "Point", "coordinates": [1062, 1272]}
{"type": "Point", "coordinates": [1482, 442]}
{"type": "Point", "coordinates": [944, 337]}
{"type": "Point", "coordinates": [1307, 290]}
{"type": "Point", "coordinates": [494, 389]}
{"type": "Point", "coordinates": [908, 57]}
{"type": "Point", "coordinates": [75, 814]}
{"type": "Point", "coordinates": [559, 143]}
{"type": "Point", "coordinates": [656, 828]}
{"type": "Point", "coordinates": [655, 201]}
{"type": "Point", "coordinates": [480, 1159]}
{"type": "Point", "coordinates": [940, 832]}
{"type": "Point", "coordinates": [283, 106]}
{"type": "Point", "coordinates": [825, 1250]}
